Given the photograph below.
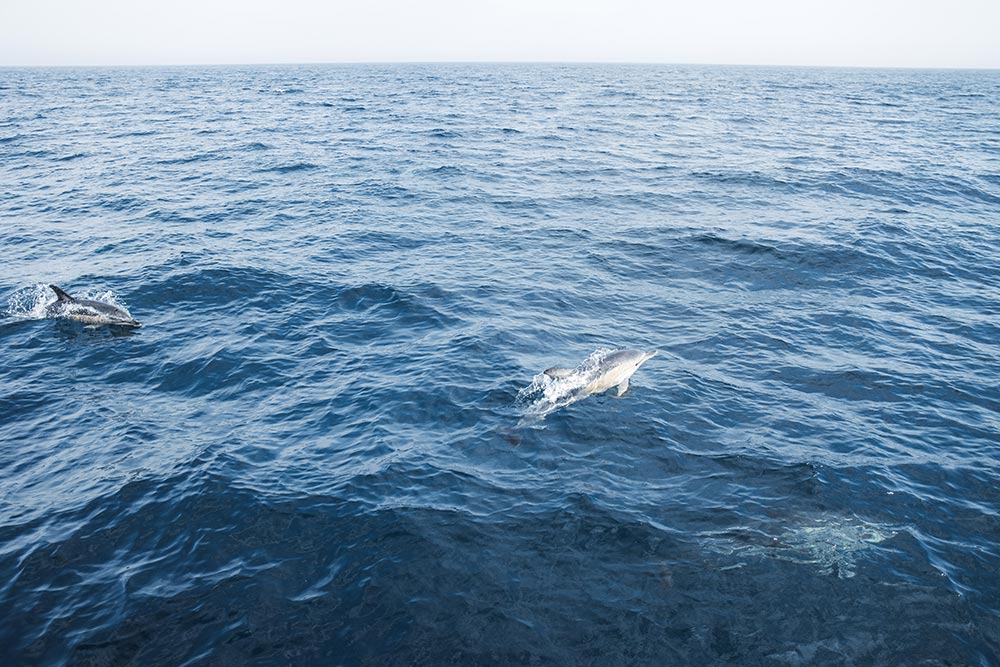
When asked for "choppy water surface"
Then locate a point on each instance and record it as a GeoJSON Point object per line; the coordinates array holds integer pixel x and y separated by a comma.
{"type": "Point", "coordinates": [349, 279]}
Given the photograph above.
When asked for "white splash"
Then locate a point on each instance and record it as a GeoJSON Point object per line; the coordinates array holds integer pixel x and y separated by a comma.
{"type": "Point", "coordinates": [32, 302]}
{"type": "Point", "coordinates": [29, 303]}
{"type": "Point", "coordinates": [546, 393]}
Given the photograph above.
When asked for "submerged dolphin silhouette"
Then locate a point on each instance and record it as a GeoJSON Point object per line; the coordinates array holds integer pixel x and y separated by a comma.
{"type": "Point", "coordinates": [88, 310]}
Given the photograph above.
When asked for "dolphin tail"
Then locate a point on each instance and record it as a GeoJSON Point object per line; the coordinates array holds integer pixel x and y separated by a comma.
{"type": "Point", "coordinates": [60, 295]}
{"type": "Point", "coordinates": [556, 373]}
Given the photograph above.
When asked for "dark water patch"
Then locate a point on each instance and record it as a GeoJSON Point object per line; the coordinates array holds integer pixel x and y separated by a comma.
{"type": "Point", "coordinates": [526, 207]}
{"type": "Point", "coordinates": [439, 133]}
{"type": "Point", "coordinates": [445, 171]}
{"type": "Point", "coordinates": [849, 384]}
{"type": "Point", "coordinates": [386, 190]}
{"type": "Point", "coordinates": [752, 179]}
{"type": "Point", "coordinates": [222, 286]}
{"type": "Point", "coordinates": [224, 372]}
{"type": "Point", "coordinates": [34, 153]}
{"type": "Point", "coordinates": [742, 246]}
{"type": "Point", "coordinates": [379, 242]}
{"type": "Point", "coordinates": [966, 190]}
{"type": "Point", "coordinates": [199, 157]}
{"type": "Point", "coordinates": [892, 121]}
{"type": "Point", "coordinates": [136, 133]}
{"type": "Point", "coordinates": [364, 297]}
{"type": "Point", "coordinates": [851, 183]}
{"type": "Point", "coordinates": [121, 203]}
{"type": "Point", "coordinates": [815, 261]}
{"type": "Point", "coordinates": [290, 168]}
{"type": "Point", "coordinates": [389, 304]}
{"type": "Point", "coordinates": [745, 120]}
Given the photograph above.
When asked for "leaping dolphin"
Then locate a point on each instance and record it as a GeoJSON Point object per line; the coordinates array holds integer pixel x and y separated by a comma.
{"type": "Point", "coordinates": [599, 372]}
{"type": "Point", "coordinates": [88, 310]}
{"type": "Point", "coordinates": [615, 369]}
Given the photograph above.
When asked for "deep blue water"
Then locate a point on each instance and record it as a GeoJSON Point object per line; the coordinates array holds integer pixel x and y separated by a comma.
{"type": "Point", "coordinates": [350, 279]}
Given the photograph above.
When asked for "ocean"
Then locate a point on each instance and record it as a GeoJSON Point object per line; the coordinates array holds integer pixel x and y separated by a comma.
{"type": "Point", "coordinates": [316, 450]}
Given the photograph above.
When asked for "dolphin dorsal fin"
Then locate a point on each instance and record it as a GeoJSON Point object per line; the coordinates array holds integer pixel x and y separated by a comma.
{"type": "Point", "coordinates": [557, 373]}
{"type": "Point", "coordinates": [61, 296]}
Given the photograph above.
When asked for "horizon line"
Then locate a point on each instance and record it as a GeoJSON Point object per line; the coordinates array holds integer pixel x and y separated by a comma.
{"type": "Point", "coordinates": [498, 62]}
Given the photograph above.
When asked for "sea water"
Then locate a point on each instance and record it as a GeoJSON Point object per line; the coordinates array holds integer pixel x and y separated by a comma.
{"type": "Point", "coordinates": [313, 451]}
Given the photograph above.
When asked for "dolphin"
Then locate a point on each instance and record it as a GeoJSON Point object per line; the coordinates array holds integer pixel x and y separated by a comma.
{"type": "Point", "coordinates": [602, 370]}
{"type": "Point", "coordinates": [88, 310]}
{"type": "Point", "coordinates": [612, 370]}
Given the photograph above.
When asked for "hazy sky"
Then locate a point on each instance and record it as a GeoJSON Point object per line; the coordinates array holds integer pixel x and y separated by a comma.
{"type": "Point", "coordinates": [914, 33]}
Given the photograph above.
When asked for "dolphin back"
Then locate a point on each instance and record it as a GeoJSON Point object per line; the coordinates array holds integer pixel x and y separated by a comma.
{"type": "Point", "coordinates": [624, 357]}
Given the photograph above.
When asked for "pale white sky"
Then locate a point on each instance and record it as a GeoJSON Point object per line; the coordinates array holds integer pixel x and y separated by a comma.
{"type": "Point", "coordinates": [894, 33]}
